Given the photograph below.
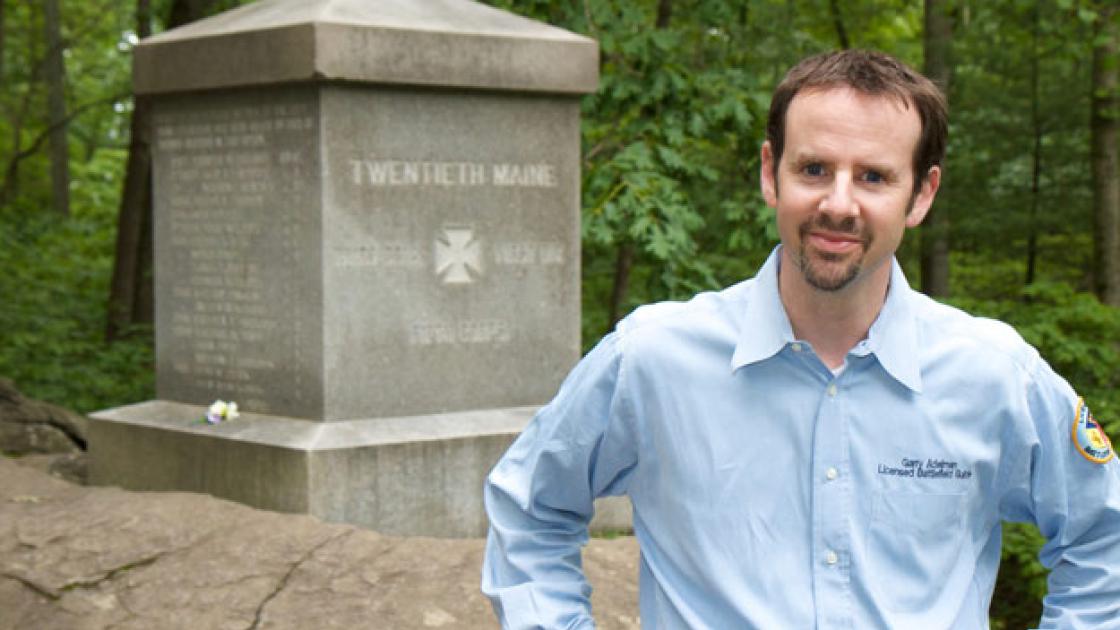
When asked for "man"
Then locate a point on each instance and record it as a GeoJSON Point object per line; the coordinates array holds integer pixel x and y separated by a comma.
{"type": "Point", "coordinates": [819, 446]}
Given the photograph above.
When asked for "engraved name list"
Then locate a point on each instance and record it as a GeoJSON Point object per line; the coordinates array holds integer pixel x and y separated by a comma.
{"type": "Point", "coordinates": [233, 197]}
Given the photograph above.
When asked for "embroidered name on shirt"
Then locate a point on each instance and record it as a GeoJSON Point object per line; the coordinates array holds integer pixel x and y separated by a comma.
{"type": "Point", "coordinates": [925, 469]}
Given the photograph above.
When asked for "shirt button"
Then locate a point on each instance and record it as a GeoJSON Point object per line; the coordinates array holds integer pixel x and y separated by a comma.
{"type": "Point", "coordinates": [831, 473]}
{"type": "Point", "coordinates": [831, 558]}
{"type": "Point", "coordinates": [796, 347]}
{"type": "Point", "coordinates": [831, 389]}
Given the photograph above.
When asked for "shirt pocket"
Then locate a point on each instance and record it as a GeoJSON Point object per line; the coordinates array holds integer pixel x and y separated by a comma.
{"type": "Point", "coordinates": [916, 544]}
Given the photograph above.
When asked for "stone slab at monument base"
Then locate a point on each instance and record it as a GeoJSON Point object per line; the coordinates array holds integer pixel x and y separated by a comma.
{"type": "Point", "coordinates": [407, 476]}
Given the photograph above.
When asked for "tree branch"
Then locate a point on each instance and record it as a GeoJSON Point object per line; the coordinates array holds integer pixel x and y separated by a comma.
{"type": "Point", "coordinates": [12, 168]}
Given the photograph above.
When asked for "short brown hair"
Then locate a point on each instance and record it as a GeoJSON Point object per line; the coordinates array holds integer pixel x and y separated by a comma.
{"type": "Point", "coordinates": [872, 73]}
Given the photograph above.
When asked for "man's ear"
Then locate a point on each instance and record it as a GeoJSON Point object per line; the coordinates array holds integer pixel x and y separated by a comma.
{"type": "Point", "coordinates": [924, 199]}
{"type": "Point", "coordinates": [766, 176]}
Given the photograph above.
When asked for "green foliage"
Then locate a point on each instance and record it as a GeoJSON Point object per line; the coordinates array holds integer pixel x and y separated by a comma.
{"type": "Point", "coordinates": [54, 273]}
{"type": "Point", "coordinates": [55, 284]}
{"type": "Point", "coordinates": [611, 534]}
{"type": "Point", "coordinates": [1017, 601]}
{"type": "Point", "coordinates": [98, 74]}
{"type": "Point", "coordinates": [1074, 332]}
{"type": "Point", "coordinates": [664, 136]}
{"type": "Point", "coordinates": [1019, 89]}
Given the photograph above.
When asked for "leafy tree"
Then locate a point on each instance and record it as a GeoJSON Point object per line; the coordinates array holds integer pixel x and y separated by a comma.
{"type": "Point", "coordinates": [1018, 147]}
{"type": "Point", "coordinates": [94, 77]}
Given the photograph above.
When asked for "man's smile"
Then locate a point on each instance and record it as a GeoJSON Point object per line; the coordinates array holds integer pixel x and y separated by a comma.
{"type": "Point", "coordinates": [835, 242]}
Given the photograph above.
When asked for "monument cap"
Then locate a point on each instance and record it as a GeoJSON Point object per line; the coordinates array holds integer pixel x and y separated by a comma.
{"type": "Point", "coordinates": [446, 43]}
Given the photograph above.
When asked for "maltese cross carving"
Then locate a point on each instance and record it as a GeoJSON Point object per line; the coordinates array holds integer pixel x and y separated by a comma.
{"type": "Point", "coordinates": [458, 256]}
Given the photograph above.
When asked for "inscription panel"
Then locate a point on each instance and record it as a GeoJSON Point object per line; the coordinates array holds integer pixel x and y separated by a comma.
{"type": "Point", "coordinates": [236, 227]}
{"type": "Point", "coordinates": [451, 243]}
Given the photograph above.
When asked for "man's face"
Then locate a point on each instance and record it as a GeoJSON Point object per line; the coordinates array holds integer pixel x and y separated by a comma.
{"type": "Point", "coordinates": [844, 187]}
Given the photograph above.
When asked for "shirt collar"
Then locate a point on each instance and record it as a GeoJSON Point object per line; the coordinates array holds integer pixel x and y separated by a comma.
{"type": "Point", "coordinates": [766, 328]}
{"type": "Point", "coordinates": [893, 337]}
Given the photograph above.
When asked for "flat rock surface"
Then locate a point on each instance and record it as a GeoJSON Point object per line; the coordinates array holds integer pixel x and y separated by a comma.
{"type": "Point", "coordinates": [74, 557]}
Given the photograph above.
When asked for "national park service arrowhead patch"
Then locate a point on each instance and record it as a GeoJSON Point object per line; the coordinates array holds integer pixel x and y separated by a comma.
{"type": "Point", "coordinates": [1089, 437]}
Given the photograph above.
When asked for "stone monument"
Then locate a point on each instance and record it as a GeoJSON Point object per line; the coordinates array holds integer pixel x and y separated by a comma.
{"type": "Point", "coordinates": [367, 234]}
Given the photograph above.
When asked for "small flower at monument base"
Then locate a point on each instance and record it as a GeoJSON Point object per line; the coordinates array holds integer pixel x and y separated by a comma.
{"type": "Point", "coordinates": [221, 411]}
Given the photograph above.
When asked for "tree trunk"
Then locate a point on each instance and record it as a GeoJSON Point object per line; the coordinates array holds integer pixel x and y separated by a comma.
{"type": "Point", "coordinates": [130, 279]}
{"type": "Point", "coordinates": [1104, 125]}
{"type": "Point", "coordinates": [187, 11]}
{"type": "Point", "coordinates": [131, 291]}
{"type": "Point", "coordinates": [623, 263]}
{"type": "Point", "coordinates": [17, 115]}
{"type": "Point", "coordinates": [3, 38]}
{"type": "Point", "coordinates": [1036, 192]}
{"type": "Point", "coordinates": [937, 43]}
{"type": "Point", "coordinates": [129, 276]}
{"type": "Point", "coordinates": [1036, 157]}
{"type": "Point", "coordinates": [664, 13]}
{"type": "Point", "coordinates": [838, 23]}
{"type": "Point", "coordinates": [55, 75]}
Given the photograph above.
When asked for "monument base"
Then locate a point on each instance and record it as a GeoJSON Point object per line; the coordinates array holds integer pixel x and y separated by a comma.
{"type": "Point", "coordinates": [408, 476]}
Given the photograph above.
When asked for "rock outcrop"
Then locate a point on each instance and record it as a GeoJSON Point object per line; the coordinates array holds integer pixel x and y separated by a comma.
{"type": "Point", "coordinates": [30, 426]}
{"type": "Point", "coordinates": [78, 557]}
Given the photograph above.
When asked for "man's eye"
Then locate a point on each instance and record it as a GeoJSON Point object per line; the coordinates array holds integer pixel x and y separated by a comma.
{"type": "Point", "coordinates": [874, 177]}
{"type": "Point", "coordinates": [814, 170]}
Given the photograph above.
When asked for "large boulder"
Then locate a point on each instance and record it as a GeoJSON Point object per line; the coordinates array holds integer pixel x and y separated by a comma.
{"type": "Point", "coordinates": [30, 426]}
{"type": "Point", "coordinates": [90, 558]}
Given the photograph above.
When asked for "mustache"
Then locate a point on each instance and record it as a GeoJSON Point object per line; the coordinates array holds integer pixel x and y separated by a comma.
{"type": "Point", "coordinates": [846, 226]}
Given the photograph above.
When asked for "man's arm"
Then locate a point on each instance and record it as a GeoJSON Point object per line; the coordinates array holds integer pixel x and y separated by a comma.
{"type": "Point", "coordinates": [1074, 498]}
{"type": "Point", "coordinates": [540, 496]}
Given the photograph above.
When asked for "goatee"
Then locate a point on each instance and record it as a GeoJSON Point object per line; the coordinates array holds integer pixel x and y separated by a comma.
{"type": "Point", "coordinates": [819, 276]}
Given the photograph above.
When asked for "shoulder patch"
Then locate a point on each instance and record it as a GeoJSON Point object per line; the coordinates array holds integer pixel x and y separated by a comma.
{"type": "Point", "coordinates": [1089, 437]}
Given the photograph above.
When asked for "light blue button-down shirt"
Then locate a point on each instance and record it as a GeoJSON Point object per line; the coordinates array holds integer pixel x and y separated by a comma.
{"type": "Point", "coordinates": [770, 493]}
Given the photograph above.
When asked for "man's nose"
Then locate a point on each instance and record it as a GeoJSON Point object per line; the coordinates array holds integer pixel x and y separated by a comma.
{"type": "Point", "coordinates": [840, 200]}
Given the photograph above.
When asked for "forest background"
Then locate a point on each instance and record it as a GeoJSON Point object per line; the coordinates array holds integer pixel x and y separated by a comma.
{"type": "Point", "coordinates": [1026, 227]}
